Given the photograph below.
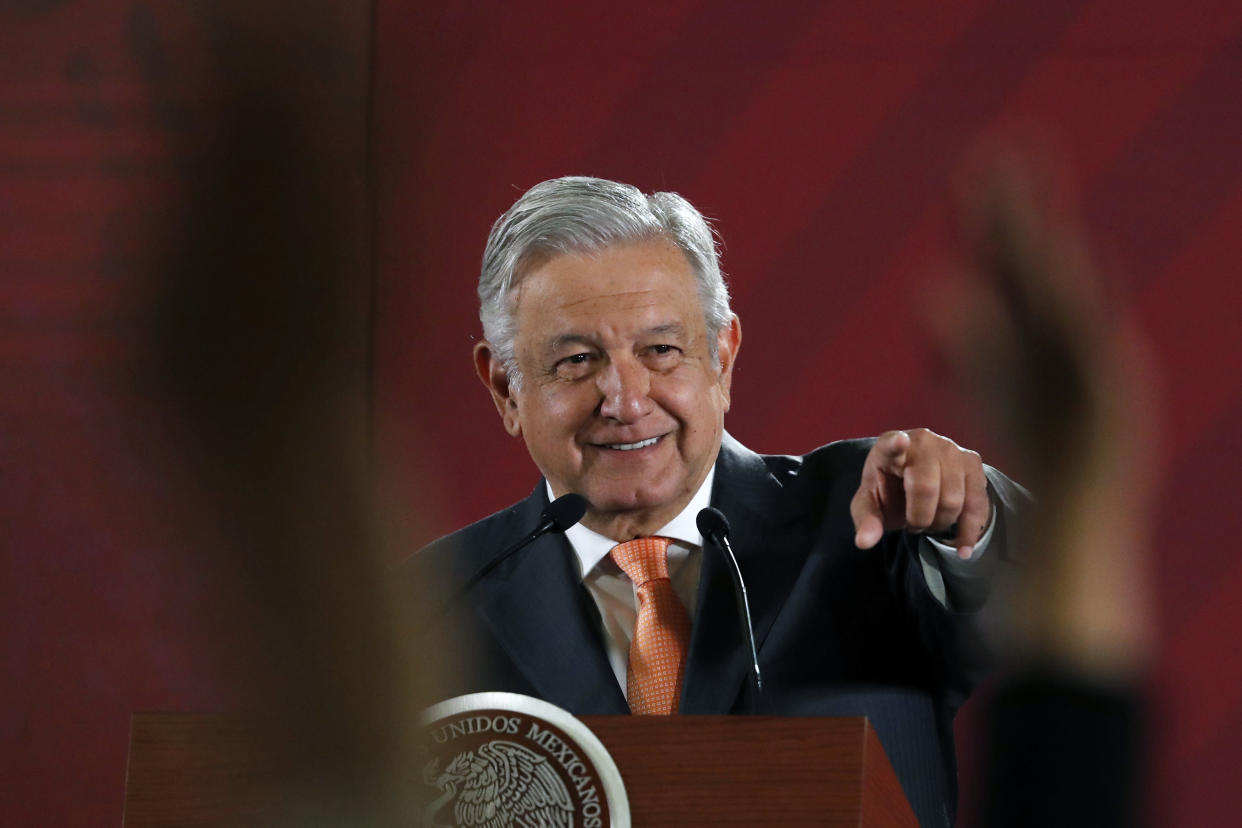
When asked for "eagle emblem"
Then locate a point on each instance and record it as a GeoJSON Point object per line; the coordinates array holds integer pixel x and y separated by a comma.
{"type": "Point", "coordinates": [499, 785]}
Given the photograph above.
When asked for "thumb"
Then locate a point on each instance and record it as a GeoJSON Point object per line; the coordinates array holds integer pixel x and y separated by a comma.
{"type": "Point", "coordinates": [889, 454]}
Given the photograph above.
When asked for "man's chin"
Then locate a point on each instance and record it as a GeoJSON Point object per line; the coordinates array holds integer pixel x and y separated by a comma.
{"type": "Point", "coordinates": [630, 509]}
{"type": "Point", "coordinates": [614, 502]}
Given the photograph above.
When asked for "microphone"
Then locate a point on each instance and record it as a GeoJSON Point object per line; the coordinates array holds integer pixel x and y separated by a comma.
{"type": "Point", "coordinates": [561, 514]}
{"type": "Point", "coordinates": [558, 516]}
{"type": "Point", "coordinates": [715, 527]}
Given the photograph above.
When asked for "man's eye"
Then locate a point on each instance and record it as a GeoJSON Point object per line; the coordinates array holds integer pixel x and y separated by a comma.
{"type": "Point", "coordinates": [574, 365]}
{"type": "Point", "coordinates": [663, 357]}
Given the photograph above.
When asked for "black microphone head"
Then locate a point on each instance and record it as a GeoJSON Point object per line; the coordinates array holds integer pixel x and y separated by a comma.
{"type": "Point", "coordinates": [712, 523]}
{"type": "Point", "coordinates": [565, 511]}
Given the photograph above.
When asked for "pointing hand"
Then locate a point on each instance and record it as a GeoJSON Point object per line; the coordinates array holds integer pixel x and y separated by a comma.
{"type": "Point", "coordinates": [920, 481]}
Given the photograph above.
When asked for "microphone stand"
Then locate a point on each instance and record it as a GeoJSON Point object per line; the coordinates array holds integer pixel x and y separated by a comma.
{"type": "Point", "coordinates": [715, 527]}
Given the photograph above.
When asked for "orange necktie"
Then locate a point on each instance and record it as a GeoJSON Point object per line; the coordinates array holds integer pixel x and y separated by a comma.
{"type": "Point", "coordinates": [662, 632]}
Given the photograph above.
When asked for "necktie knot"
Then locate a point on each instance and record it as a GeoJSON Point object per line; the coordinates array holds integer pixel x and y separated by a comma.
{"type": "Point", "coordinates": [643, 559]}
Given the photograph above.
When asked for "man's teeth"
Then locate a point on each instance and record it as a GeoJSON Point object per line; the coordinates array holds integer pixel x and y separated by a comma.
{"type": "Point", "coordinates": [632, 446]}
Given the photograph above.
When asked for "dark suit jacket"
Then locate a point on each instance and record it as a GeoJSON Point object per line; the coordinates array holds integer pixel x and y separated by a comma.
{"type": "Point", "coordinates": [840, 631]}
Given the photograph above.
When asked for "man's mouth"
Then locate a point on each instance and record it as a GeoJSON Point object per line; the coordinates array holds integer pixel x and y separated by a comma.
{"type": "Point", "coordinates": [651, 441]}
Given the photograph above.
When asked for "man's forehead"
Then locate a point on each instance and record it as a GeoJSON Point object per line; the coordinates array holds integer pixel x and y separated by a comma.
{"type": "Point", "coordinates": [633, 276]}
{"type": "Point", "coordinates": [674, 260]}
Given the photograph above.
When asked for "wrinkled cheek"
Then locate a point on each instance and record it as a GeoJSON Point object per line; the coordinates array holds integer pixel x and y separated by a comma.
{"type": "Point", "coordinates": [560, 438]}
{"type": "Point", "coordinates": [569, 414]}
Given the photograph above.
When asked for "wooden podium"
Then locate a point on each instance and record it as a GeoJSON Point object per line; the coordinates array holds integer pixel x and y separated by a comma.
{"type": "Point", "coordinates": [684, 771]}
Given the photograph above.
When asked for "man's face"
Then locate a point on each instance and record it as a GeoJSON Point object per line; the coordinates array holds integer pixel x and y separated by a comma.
{"type": "Point", "coordinates": [620, 401]}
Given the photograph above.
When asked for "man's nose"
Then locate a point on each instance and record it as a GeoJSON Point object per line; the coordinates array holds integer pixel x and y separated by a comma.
{"type": "Point", "coordinates": [624, 386]}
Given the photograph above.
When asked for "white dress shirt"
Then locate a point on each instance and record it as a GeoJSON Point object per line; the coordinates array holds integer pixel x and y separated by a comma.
{"type": "Point", "coordinates": [617, 598]}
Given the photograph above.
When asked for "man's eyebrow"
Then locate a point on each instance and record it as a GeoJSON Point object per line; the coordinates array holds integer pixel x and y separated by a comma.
{"type": "Point", "coordinates": [562, 340]}
{"type": "Point", "coordinates": [668, 328]}
{"type": "Point", "coordinates": [568, 338]}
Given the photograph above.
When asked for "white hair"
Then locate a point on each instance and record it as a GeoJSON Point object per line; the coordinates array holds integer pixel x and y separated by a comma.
{"type": "Point", "coordinates": [578, 214]}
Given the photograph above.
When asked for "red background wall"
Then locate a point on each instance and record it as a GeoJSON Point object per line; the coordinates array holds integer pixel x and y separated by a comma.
{"type": "Point", "coordinates": [821, 136]}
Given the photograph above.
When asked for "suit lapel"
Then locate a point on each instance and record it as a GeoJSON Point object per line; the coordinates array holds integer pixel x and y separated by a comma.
{"type": "Point", "coordinates": [769, 553]}
{"type": "Point", "coordinates": [539, 612]}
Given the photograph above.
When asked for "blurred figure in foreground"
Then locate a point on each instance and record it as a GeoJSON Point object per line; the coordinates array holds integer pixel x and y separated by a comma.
{"type": "Point", "coordinates": [1067, 386]}
{"type": "Point", "coordinates": [260, 342]}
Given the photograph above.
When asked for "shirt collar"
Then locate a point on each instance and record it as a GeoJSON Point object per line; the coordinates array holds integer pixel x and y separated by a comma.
{"type": "Point", "coordinates": [590, 547]}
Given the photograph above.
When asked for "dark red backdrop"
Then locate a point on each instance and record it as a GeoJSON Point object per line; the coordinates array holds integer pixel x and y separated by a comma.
{"type": "Point", "coordinates": [821, 136]}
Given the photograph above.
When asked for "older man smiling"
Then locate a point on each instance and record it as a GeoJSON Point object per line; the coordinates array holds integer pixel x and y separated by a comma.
{"type": "Point", "coordinates": [609, 346]}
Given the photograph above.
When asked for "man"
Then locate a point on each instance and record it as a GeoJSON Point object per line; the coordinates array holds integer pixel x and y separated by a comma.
{"type": "Point", "coordinates": [609, 349]}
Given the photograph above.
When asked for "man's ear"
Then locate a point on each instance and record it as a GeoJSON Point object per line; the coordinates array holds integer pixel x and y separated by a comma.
{"type": "Point", "coordinates": [493, 374]}
{"type": "Point", "coordinates": [728, 343]}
